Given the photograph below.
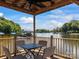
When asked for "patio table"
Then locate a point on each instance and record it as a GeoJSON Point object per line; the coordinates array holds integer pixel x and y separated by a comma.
{"type": "Point", "coordinates": [30, 47]}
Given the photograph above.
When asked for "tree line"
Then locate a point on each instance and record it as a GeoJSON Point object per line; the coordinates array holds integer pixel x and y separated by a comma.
{"type": "Point", "coordinates": [69, 27]}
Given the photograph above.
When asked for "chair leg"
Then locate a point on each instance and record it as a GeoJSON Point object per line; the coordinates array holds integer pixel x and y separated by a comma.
{"type": "Point", "coordinates": [51, 56]}
{"type": "Point", "coordinates": [6, 57]}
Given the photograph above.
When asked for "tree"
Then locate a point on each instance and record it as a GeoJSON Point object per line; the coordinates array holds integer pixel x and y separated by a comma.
{"type": "Point", "coordinates": [8, 26]}
{"type": "Point", "coordinates": [6, 29]}
{"type": "Point", "coordinates": [72, 26]}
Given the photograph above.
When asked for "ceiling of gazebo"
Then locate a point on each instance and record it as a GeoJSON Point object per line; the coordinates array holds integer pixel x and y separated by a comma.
{"type": "Point", "coordinates": [35, 7]}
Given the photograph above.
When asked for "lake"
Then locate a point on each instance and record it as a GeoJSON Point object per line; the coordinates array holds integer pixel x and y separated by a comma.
{"type": "Point", "coordinates": [58, 35]}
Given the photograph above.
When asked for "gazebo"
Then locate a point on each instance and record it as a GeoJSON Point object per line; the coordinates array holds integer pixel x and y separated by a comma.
{"type": "Point", "coordinates": [35, 7]}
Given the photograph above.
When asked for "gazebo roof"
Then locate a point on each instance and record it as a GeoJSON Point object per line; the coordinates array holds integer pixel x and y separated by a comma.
{"type": "Point", "coordinates": [35, 7]}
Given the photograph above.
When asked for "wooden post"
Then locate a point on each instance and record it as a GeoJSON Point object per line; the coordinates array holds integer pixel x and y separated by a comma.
{"type": "Point", "coordinates": [15, 37]}
{"type": "Point", "coordinates": [34, 35]}
{"type": "Point", "coordinates": [51, 41]}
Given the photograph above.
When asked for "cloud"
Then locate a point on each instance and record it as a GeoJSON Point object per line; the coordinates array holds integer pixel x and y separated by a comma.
{"type": "Point", "coordinates": [28, 28]}
{"type": "Point", "coordinates": [71, 17]}
{"type": "Point", "coordinates": [58, 12]}
{"type": "Point", "coordinates": [8, 18]}
{"type": "Point", "coordinates": [26, 20]}
{"type": "Point", "coordinates": [1, 14]}
{"type": "Point", "coordinates": [75, 16]}
{"type": "Point", "coordinates": [68, 17]}
{"type": "Point", "coordinates": [59, 20]}
{"type": "Point", "coordinates": [64, 17]}
{"type": "Point", "coordinates": [25, 23]}
{"type": "Point", "coordinates": [55, 23]}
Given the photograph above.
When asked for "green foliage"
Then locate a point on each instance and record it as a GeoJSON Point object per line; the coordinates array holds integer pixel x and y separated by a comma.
{"type": "Point", "coordinates": [42, 31]}
{"type": "Point", "coordinates": [72, 26]}
{"type": "Point", "coordinates": [56, 30]}
{"type": "Point", "coordinates": [7, 26]}
{"type": "Point", "coordinates": [6, 29]}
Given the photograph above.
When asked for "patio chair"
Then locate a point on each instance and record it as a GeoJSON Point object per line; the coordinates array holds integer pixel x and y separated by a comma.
{"type": "Point", "coordinates": [19, 49]}
{"type": "Point", "coordinates": [48, 53]}
{"type": "Point", "coordinates": [8, 55]}
{"type": "Point", "coordinates": [43, 43]}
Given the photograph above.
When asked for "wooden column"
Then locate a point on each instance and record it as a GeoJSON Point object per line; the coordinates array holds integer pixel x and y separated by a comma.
{"type": "Point", "coordinates": [15, 37]}
{"type": "Point", "coordinates": [51, 41]}
{"type": "Point", "coordinates": [34, 24]}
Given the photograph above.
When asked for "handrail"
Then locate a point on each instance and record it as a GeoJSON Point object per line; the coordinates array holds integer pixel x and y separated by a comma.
{"type": "Point", "coordinates": [67, 38]}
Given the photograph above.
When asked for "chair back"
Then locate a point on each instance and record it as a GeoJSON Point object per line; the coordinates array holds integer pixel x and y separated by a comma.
{"type": "Point", "coordinates": [20, 42]}
{"type": "Point", "coordinates": [48, 52]}
{"type": "Point", "coordinates": [7, 52]}
{"type": "Point", "coordinates": [43, 43]}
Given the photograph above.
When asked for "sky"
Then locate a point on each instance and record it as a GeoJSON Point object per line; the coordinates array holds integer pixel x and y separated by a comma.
{"type": "Point", "coordinates": [48, 20]}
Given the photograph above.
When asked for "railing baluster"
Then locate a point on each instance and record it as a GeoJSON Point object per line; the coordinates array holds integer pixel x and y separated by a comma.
{"type": "Point", "coordinates": [66, 48]}
{"type": "Point", "coordinates": [69, 49]}
{"type": "Point", "coordinates": [58, 45]}
{"type": "Point", "coordinates": [72, 48]}
{"type": "Point", "coordinates": [76, 48]}
{"type": "Point", "coordinates": [61, 46]}
{"type": "Point", "coordinates": [55, 45]}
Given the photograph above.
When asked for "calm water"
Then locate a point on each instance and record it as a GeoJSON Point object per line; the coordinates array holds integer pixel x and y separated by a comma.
{"type": "Point", "coordinates": [48, 35]}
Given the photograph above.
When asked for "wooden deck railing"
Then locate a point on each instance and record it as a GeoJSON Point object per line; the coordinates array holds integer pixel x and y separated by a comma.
{"type": "Point", "coordinates": [65, 47]}
{"type": "Point", "coordinates": [7, 42]}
